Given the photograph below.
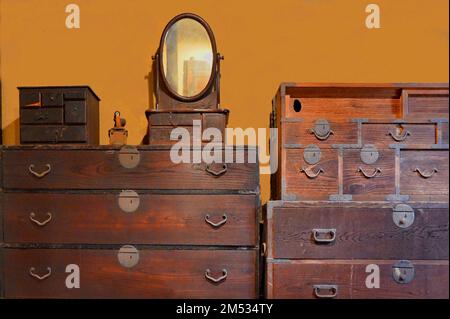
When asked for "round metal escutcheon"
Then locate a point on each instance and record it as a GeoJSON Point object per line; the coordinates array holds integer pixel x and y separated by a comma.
{"type": "Point", "coordinates": [403, 272]}
{"type": "Point", "coordinates": [129, 201]}
{"type": "Point", "coordinates": [311, 154]}
{"type": "Point", "coordinates": [322, 127]}
{"type": "Point", "coordinates": [129, 157]}
{"type": "Point", "coordinates": [403, 215]}
{"type": "Point", "coordinates": [128, 256]}
{"type": "Point", "coordinates": [369, 154]}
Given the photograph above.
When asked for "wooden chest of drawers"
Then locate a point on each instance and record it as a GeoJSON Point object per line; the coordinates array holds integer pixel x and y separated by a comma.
{"type": "Point", "coordinates": [59, 114]}
{"type": "Point", "coordinates": [131, 222]}
{"type": "Point", "coordinates": [361, 192]}
{"type": "Point", "coordinates": [161, 124]}
{"type": "Point", "coordinates": [361, 142]}
{"type": "Point", "coordinates": [329, 249]}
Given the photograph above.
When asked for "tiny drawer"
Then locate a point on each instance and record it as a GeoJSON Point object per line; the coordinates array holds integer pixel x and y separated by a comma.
{"type": "Point", "coordinates": [74, 95]}
{"type": "Point", "coordinates": [29, 98]}
{"type": "Point", "coordinates": [311, 173]}
{"type": "Point", "coordinates": [130, 272]}
{"type": "Point", "coordinates": [41, 115]}
{"type": "Point", "coordinates": [383, 135]}
{"type": "Point", "coordinates": [424, 172]}
{"type": "Point", "coordinates": [75, 112]}
{"type": "Point", "coordinates": [320, 132]}
{"type": "Point", "coordinates": [52, 98]}
{"type": "Point", "coordinates": [174, 119]}
{"type": "Point", "coordinates": [161, 135]}
{"type": "Point", "coordinates": [369, 178]}
{"type": "Point", "coordinates": [52, 134]}
{"type": "Point", "coordinates": [350, 279]}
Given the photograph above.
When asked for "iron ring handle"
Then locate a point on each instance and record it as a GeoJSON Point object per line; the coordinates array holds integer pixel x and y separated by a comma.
{"type": "Point", "coordinates": [400, 138]}
{"type": "Point", "coordinates": [40, 175]}
{"type": "Point", "coordinates": [332, 288]}
{"type": "Point", "coordinates": [48, 274]}
{"type": "Point", "coordinates": [366, 175]}
{"type": "Point", "coordinates": [424, 174]}
{"type": "Point", "coordinates": [317, 232]}
{"type": "Point", "coordinates": [311, 175]}
{"type": "Point", "coordinates": [216, 280]}
{"type": "Point", "coordinates": [321, 137]}
{"type": "Point", "coordinates": [43, 223]}
{"type": "Point", "coordinates": [218, 224]}
{"type": "Point", "coordinates": [217, 173]}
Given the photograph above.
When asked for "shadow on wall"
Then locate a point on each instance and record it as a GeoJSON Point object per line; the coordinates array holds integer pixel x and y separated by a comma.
{"type": "Point", "coordinates": [151, 100]}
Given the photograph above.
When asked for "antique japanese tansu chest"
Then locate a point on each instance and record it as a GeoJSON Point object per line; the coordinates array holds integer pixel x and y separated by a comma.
{"type": "Point", "coordinates": [360, 199]}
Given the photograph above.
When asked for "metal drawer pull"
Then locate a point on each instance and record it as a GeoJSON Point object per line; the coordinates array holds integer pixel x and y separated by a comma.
{"type": "Point", "coordinates": [321, 137]}
{"type": "Point", "coordinates": [366, 175]}
{"type": "Point", "coordinates": [333, 291]}
{"type": "Point", "coordinates": [216, 280]}
{"type": "Point", "coordinates": [48, 274]}
{"type": "Point", "coordinates": [39, 175]}
{"type": "Point", "coordinates": [218, 224]}
{"type": "Point", "coordinates": [43, 223]}
{"type": "Point", "coordinates": [330, 235]}
{"type": "Point", "coordinates": [217, 173]}
{"type": "Point", "coordinates": [311, 175]}
{"type": "Point", "coordinates": [424, 174]}
{"type": "Point", "coordinates": [400, 138]}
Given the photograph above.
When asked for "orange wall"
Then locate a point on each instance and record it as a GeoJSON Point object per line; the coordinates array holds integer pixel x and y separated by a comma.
{"type": "Point", "coordinates": [264, 43]}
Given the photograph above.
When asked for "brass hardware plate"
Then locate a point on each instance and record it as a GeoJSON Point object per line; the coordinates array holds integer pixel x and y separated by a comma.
{"type": "Point", "coordinates": [311, 154]}
{"type": "Point", "coordinates": [403, 215]}
{"type": "Point", "coordinates": [403, 272]}
{"type": "Point", "coordinates": [128, 256]}
{"type": "Point", "coordinates": [369, 154]}
{"type": "Point", "coordinates": [129, 156]}
{"type": "Point", "coordinates": [129, 201]}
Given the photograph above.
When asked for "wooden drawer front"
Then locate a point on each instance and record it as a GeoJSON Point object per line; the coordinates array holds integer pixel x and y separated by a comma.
{"type": "Point", "coordinates": [29, 98]}
{"type": "Point", "coordinates": [75, 112]}
{"type": "Point", "coordinates": [369, 180]}
{"type": "Point", "coordinates": [341, 109]}
{"type": "Point", "coordinates": [174, 119]}
{"type": "Point", "coordinates": [299, 185]}
{"type": "Point", "coordinates": [158, 219]}
{"type": "Point", "coordinates": [41, 115]}
{"type": "Point", "coordinates": [101, 169]}
{"type": "Point", "coordinates": [425, 104]}
{"type": "Point", "coordinates": [298, 279]}
{"type": "Point", "coordinates": [158, 274]}
{"type": "Point", "coordinates": [424, 172]}
{"type": "Point", "coordinates": [305, 133]}
{"type": "Point", "coordinates": [52, 98]}
{"type": "Point", "coordinates": [52, 133]}
{"type": "Point", "coordinates": [383, 135]}
{"type": "Point", "coordinates": [160, 135]}
{"type": "Point", "coordinates": [358, 232]}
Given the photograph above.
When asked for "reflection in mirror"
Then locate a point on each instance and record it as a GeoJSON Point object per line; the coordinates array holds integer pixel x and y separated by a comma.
{"type": "Point", "coordinates": [187, 57]}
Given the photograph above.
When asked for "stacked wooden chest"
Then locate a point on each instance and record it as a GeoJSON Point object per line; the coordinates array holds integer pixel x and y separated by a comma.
{"type": "Point", "coordinates": [112, 222]}
{"type": "Point", "coordinates": [360, 204]}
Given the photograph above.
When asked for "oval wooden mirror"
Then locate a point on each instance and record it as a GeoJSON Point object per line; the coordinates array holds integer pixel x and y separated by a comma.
{"type": "Point", "coordinates": [187, 62]}
{"type": "Point", "coordinates": [187, 57]}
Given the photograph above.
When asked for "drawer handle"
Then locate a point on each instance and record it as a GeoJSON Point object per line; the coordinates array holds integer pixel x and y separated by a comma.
{"type": "Point", "coordinates": [376, 172]}
{"type": "Point", "coordinates": [218, 224]}
{"type": "Point", "coordinates": [324, 235]}
{"type": "Point", "coordinates": [311, 175]}
{"type": "Point", "coordinates": [332, 289]}
{"type": "Point", "coordinates": [213, 172]}
{"type": "Point", "coordinates": [40, 175]}
{"type": "Point", "coordinates": [400, 138]}
{"type": "Point", "coordinates": [43, 223]}
{"type": "Point", "coordinates": [321, 137]}
{"type": "Point", "coordinates": [48, 274]}
{"type": "Point", "coordinates": [216, 280]}
{"type": "Point", "coordinates": [424, 174]}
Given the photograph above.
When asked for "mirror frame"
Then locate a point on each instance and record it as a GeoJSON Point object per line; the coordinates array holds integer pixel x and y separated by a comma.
{"type": "Point", "coordinates": [214, 72]}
